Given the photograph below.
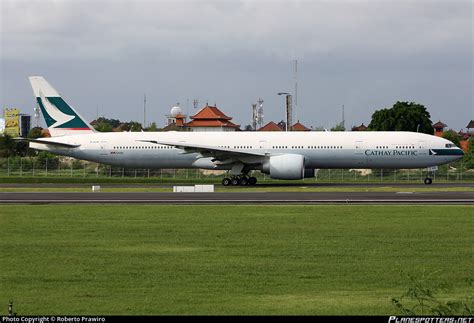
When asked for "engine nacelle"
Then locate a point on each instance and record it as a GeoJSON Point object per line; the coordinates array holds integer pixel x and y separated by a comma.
{"type": "Point", "coordinates": [289, 166]}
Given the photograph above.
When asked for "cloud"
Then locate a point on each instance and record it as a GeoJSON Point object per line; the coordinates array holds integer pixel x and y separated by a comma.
{"type": "Point", "coordinates": [364, 54]}
{"type": "Point", "coordinates": [183, 29]}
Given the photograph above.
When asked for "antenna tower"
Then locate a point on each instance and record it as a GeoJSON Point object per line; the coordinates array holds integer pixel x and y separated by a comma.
{"type": "Point", "coordinates": [260, 113]}
{"type": "Point", "coordinates": [254, 116]}
{"type": "Point", "coordinates": [37, 115]}
{"type": "Point", "coordinates": [343, 118]}
{"type": "Point", "coordinates": [296, 89]}
{"type": "Point", "coordinates": [144, 110]}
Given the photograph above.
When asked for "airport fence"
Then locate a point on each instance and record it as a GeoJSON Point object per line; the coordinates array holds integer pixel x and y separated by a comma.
{"type": "Point", "coordinates": [65, 167]}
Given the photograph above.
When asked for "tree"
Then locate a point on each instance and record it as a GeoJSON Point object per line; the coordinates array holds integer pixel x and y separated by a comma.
{"type": "Point", "coordinates": [282, 125]}
{"type": "Point", "coordinates": [468, 160]}
{"type": "Point", "coordinates": [106, 125]}
{"type": "Point", "coordinates": [132, 126]}
{"type": "Point", "coordinates": [403, 116]}
{"type": "Point", "coordinates": [35, 132]}
{"type": "Point", "coordinates": [6, 146]}
{"type": "Point", "coordinates": [103, 127]}
{"type": "Point", "coordinates": [338, 127]}
{"type": "Point", "coordinates": [152, 127]}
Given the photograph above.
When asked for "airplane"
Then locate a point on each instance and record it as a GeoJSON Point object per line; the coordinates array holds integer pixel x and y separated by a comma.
{"type": "Point", "coordinates": [282, 155]}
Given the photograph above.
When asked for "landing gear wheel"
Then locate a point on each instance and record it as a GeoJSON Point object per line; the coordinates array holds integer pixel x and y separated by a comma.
{"type": "Point", "coordinates": [428, 181]}
{"type": "Point", "coordinates": [244, 181]}
{"type": "Point", "coordinates": [235, 181]}
{"type": "Point", "coordinates": [252, 180]}
{"type": "Point", "coordinates": [226, 181]}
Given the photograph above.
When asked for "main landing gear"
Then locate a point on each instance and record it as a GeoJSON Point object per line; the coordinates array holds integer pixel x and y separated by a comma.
{"type": "Point", "coordinates": [428, 181]}
{"type": "Point", "coordinates": [239, 180]}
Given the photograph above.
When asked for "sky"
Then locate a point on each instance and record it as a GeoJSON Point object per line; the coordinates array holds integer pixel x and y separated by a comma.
{"type": "Point", "coordinates": [104, 56]}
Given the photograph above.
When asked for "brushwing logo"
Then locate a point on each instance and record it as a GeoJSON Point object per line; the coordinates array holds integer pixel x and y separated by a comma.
{"type": "Point", "coordinates": [59, 117]}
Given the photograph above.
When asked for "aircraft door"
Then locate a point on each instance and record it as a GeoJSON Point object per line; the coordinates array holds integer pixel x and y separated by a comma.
{"type": "Point", "coordinates": [359, 147]}
{"type": "Point", "coordinates": [103, 148]}
{"type": "Point", "coordinates": [360, 157]}
{"type": "Point", "coordinates": [263, 144]}
{"type": "Point", "coordinates": [422, 148]}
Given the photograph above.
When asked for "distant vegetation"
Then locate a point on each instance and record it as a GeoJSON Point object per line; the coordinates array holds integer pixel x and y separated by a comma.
{"type": "Point", "coordinates": [403, 116]}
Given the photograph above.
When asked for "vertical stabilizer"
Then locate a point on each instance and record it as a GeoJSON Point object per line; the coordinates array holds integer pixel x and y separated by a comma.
{"type": "Point", "coordinates": [61, 119]}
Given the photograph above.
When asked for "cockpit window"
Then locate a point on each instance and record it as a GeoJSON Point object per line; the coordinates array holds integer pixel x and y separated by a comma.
{"type": "Point", "coordinates": [450, 145]}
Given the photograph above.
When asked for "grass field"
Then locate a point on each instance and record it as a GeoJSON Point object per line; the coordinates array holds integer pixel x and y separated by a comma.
{"type": "Point", "coordinates": [143, 259]}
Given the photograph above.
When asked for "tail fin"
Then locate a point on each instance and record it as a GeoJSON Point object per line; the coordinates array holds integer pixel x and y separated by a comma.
{"type": "Point", "coordinates": [60, 118]}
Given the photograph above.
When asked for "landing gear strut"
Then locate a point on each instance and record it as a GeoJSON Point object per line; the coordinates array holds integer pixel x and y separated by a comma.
{"type": "Point", "coordinates": [237, 180]}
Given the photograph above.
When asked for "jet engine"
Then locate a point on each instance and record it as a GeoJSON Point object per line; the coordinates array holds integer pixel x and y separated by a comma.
{"type": "Point", "coordinates": [288, 166]}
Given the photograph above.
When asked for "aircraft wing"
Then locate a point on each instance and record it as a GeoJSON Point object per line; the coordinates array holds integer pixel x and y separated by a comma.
{"type": "Point", "coordinates": [208, 151]}
{"type": "Point", "coordinates": [48, 142]}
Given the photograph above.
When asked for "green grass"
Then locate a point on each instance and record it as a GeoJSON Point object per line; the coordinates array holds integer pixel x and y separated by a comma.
{"type": "Point", "coordinates": [227, 259]}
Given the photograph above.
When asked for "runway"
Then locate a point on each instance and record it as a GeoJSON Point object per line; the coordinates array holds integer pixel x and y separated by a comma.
{"type": "Point", "coordinates": [240, 198]}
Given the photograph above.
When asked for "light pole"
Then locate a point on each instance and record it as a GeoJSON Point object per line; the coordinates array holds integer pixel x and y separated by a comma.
{"type": "Point", "coordinates": [289, 111]}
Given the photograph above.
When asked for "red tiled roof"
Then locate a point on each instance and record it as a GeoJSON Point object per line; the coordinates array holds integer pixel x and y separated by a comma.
{"type": "Point", "coordinates": [209, 112]}
{"type": "Point", "coordinates": [362, 127]}
{"type": "Point", "coordinates": [299, 127]}
{"type": "Point", "coordinates": [271, 126]}
{"type": "Point", "coordinates": [439, 124]}
{"type": "Point", "coordinates": [212, 123]}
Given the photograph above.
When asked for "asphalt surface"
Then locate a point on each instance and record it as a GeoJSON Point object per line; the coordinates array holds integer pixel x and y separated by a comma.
{"type": "Point", "coordinates": [241, 198]}
{"type": "Point", "coordinates": [262, 185]}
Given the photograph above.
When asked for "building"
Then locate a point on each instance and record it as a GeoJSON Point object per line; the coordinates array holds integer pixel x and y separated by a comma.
{"type": "Point", "coordinates": [362, 127]}
{"type": "Point", "coordinates": [299, 127]}
{"type": "Point", "coordinates": [271, 126]}
{"type": "Point", "coordinates": [439, 128]}
{"type": "Point", "coordinates": [470, 126]}
{"type": "Point", "coordinates": [210, 118]}
{"type": "Point", "coordinates": [176, 116]}
{"type": "Point", "coordinates": [25, 124]}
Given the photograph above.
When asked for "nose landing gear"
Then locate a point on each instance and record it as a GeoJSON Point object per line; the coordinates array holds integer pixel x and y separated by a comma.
{"type": "Point", "coordinates": [428, 181]}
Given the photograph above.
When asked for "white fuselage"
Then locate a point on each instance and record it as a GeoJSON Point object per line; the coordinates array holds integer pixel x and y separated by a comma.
{"type": "Point", "coordinates": [320, 149]}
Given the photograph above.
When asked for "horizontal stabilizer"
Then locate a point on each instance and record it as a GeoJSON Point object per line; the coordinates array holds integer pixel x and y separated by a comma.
{"type": "Point", "coordinates": [47, 142]}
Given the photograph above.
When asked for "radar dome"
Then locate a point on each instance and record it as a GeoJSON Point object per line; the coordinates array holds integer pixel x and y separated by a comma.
{"type": "Point", "coordinates": [175, 111]}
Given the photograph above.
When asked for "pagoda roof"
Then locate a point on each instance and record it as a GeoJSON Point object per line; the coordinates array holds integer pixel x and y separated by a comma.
{"type": "Point", "coordinates": [210, 112]}
{"type": "Point", "coordinates": [439, 124]}
{"type": "Point", "coordinates": [212, 123]}
{"type": "Point", "coordinates": [299, 127]}
{"type": "Point", "coordinates": [271, 126]}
